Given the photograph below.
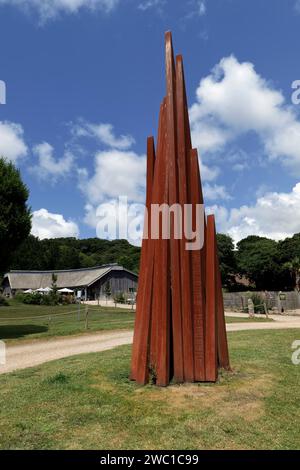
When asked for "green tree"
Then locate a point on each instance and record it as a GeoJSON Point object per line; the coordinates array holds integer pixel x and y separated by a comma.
{"type": "Point", "coordinates": [258, 259]}
{"type": "Point", "coordinates": [15, 217]}
{"type": "Point", "coordinates": [107, 289]}
{"type": "Point", "coordinates": [70, 253]}
{"type": "Point", "coordinates": [68, 258]}
{"type": "Point", "coordinates": [54, 284]}
{"type": "Point", "coordinates": [53, 297]}
{"type": "Point", "coordinates": [30, 255]}
{"type": "Point", "coordinates": [289, 248]}
{"type": "Point", "coordinates": [87, 261]}
{"type": "Point", "coordinates": [127, 262]}
{"type": "Point", "coordinates": [227, 259]}
{"type": "Point", "coordinates": [293, 267]}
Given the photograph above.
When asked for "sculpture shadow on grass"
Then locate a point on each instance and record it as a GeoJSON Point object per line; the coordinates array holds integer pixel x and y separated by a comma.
{"type": "Point", "coordinates": [20, 331]}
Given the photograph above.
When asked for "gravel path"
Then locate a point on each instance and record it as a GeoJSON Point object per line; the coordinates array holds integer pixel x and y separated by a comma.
{"type": "Point", "coordinates": [31, 354]}
{"type": "Point", "coordinates": [37, 352]}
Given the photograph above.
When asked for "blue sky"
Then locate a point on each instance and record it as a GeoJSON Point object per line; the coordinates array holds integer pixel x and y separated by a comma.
{"type": "Point", "coordinates": [84, 83]}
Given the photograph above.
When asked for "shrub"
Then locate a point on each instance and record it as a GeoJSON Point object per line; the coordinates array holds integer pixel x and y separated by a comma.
{"type": "Point", "coordinates": [258, 302]}
{"type": "Point", "coordinates": [3, 301]}
{"type": "Point", "coordinates": [50, 299]}
{"type": "Point", "coordinates": [119, 298]}
{"type": "Point", "coordinates": [38, 299]}
{"type": "Point", "coordinates": [32, 299]}
{"type": "Point", "coordinates": [19, 297]}
{"type": "Point", "coordinates": [67, 299]}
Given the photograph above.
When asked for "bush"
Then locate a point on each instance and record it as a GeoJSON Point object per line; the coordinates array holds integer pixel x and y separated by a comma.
{"type": "Point", "coordinates": [258, 302]}
{"type": "Point", "coordinates": [19, 297]}
{"type": "Point", "coordinates": [38, 299]}
{"type": "Point", "coordinates": [32, 299]}
{"type": "Point", "coordinates": [3, 301]}
{"type": "Point", "coordinates": [50, 299]}
{"type": "Point", "coordinates": [67, 299]}
{"type": "Point", "coordinates": [119, 298]}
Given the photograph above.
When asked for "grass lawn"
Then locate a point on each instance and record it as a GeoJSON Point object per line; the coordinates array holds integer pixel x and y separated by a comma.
{"type": "Point", "coordinates": [19, 321]}
{"type": "Point", "coordinates": [87, 402]}
{"type": "Point", "coordinates": [247, 319]}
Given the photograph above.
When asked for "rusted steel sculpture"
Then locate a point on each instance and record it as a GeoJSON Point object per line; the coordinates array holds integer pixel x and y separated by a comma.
{"type": "Point", "coordinates": [180, 328]}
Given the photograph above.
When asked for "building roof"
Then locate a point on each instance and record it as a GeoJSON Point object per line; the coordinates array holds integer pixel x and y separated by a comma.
{"type": "Point", "coordinates": [66, 278]}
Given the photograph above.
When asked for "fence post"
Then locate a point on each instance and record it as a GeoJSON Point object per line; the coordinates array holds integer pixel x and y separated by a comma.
{"type": "Point", "coordinates": [86, 317]}
{"type": "Point", "coordinates": [78, 310]}
{"type": "Point", "coordinates": [251, 308]}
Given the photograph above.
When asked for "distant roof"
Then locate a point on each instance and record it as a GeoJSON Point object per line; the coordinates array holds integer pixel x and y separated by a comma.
{"type": "Point", "coordinates": [65, 278]}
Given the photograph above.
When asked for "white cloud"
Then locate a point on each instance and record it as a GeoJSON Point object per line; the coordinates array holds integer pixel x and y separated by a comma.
{"type": "Point", "coordinates": [274, 215]}
{"type": "Point", "coordinates": [239, 159]}
{"type": "Point", "coordinates": [117, 173]}
{"type": "Point", "coordinates": [206, 135]}
{"type": "Point", "coordinates": [297, 6]}
{"type": "Point", "coordinates": [233, 101]}
{"type": "Point", "coordinates": [117, 219]}
{"type": "Point", "coordinates": [104, 133]}
{"type": "Point", "coordinates": [201, 6]}
{"type": "Point", "coordinates": [48, 225]}
{"type": "Point", "coordinates": [48, 9]}
{"type": "Point", "coordinates": [48, 166]}
{"type": "Point", "coordinates": [12, 145]}
{"type": "Point", "coordinates": [90, 217]}
{"type": "Point", "coordinates": [208, 173]}
{"type": "Point", "coordinates": [240, 166]}
{"type": "Point", "coordinates": [197, 8]}
{"type": "Point", "coordinates": [215, 192]}
{"type": "Point", "coordinates": [147, 4]}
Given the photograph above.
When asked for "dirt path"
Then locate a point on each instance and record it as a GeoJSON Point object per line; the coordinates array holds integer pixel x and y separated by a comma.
{"type": "Point", "coordinates": [31, 354]}
{"type": "Point", "coordinates": [21, 356]}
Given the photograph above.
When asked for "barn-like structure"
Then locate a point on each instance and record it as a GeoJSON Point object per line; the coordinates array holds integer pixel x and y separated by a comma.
{"type": "Point", "coordinates": [91, 282]}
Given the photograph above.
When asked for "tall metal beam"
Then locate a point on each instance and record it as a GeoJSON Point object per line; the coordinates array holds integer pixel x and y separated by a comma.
{"type": "Point", "coordinates": [180, 331]}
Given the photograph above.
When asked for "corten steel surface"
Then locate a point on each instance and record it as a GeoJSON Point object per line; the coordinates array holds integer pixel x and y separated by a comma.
{"type": "Point", "coordinates": [180, 326]}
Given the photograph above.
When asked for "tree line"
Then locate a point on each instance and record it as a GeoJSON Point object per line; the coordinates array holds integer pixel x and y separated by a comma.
{"type": "Point", "coordinates": [71, 253]}
{"type": "Point", "coordinates": [261, 263]}
{"type": "Point", "coordinates": [20, 250]}
{"type": "Point", "coordinates": [255, 263]}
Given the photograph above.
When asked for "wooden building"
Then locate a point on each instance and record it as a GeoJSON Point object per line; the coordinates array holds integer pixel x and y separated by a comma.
{"type": "Point", "coordinates": [91, 282]}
